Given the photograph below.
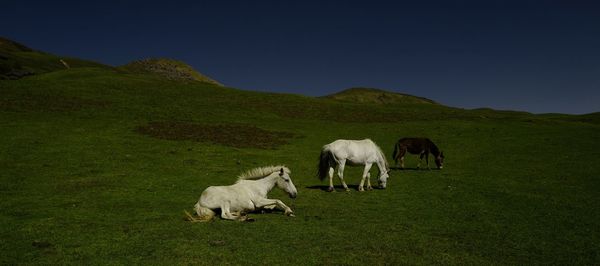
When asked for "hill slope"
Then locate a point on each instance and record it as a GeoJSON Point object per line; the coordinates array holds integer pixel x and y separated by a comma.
{"type": "Point", "coordinates": [371, 95]}
{"type": "Point", "coordinates": [18, 60]}
{"type": "Point", "coordinates": [168, 68]}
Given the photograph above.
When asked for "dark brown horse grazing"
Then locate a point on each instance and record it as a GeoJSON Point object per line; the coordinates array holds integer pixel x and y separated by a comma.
{"type": "Point", "coordinates": [421, 146]}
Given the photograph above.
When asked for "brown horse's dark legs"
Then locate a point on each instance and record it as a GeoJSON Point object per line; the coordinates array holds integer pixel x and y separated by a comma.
{"type": "Point", "coordinates": [401, 156]}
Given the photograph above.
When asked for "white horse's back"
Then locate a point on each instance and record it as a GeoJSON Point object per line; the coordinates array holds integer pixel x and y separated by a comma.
{"type": "Point", "coordinates": [358, 152]}
{"type": "Point", "coordinates": [213, 196]}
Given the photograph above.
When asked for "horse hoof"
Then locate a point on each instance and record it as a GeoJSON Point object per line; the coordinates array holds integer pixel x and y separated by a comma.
{"type": "Point", "coordinates": [369, 188]}
{"type": "Point", "coordinates": [330, 189]}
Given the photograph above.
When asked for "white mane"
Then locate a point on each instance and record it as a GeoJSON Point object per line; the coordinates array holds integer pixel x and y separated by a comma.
{"type": "Point", "coordinates": [380, 154]}
{"type": "Point", "coordinates": [260, 172]}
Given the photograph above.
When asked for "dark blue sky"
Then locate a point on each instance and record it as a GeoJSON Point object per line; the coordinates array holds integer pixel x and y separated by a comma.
{"type": "Point", "coordinates": [537, 56]}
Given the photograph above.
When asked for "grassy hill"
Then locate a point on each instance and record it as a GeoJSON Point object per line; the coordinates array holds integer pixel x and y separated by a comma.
{"type": "Point", "coordinates": [18, 60]}
{"type": "Point", "coordinates": [370, 95]}
{"type": "Point", "coordinates": [98, 164]}
{"type": "Point", "coordinates": [168, 68]}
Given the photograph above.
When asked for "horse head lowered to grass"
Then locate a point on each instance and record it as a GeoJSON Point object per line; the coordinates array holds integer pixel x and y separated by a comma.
{"type": "Point", "coordinates": [249, 193]}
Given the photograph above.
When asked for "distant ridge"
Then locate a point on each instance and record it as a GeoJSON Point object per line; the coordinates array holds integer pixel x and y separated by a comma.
{"type": "Point", "coordinates": [378, 96]}
{"type": "Point", "coordinates": [10, 45]}
{"type": "Point", "coordinates": [168, 68]}
{"type": "Point", "coordinates": [18, 61]}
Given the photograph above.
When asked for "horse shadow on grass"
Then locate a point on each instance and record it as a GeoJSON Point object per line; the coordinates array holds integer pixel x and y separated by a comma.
{"type": "Point", "coordinates": [355, 187]}
{"type": "Point", "coordinates": [337, 187]}
{"type": "Point", "coordinates": [412, 169]}
{"type": "Point", "coordinates": [250, 215]}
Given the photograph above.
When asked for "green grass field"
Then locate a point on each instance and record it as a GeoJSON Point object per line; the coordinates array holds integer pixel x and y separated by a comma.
{"type": "Point", "coordinates": [81, 183]}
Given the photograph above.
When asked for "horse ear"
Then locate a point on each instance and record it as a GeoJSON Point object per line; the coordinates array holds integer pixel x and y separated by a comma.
{"type": "Point", "coordinates": [281, 172]}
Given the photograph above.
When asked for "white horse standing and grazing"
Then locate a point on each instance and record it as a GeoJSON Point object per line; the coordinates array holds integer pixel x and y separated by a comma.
{"type": "Point", "coordinates": [353, 152]}
{"type": "Point", "coordinates": [247, 194]}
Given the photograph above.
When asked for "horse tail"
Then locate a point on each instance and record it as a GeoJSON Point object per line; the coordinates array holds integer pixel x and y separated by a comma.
{"type": "Point", "coordinates": [204, 214]}
{"type": "Point", "coordinates": [326, 160]}
{"type": "Point", "coordinates": [396, 150]}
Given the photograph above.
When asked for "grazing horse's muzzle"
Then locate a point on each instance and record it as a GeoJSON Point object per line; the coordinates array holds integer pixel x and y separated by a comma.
{"type": "Point", "coordinates": [293, 195]}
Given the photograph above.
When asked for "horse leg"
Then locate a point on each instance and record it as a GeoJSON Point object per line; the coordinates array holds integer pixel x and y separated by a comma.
{"type": "Point", "coordinates": [369, 187]}
{"type": "Point", "coordinates": [240, 216]}
{"type": "Point", "coordinates": [402, 153]}
{"type": "Point", "coordinates": [365, 173]}
{"type": "Point", "coordinates": [272, 203]}
{"type": "Point", "coordinates": [226, 212]}
{"type": "Point", "coordinates": [420, 160]}
{"type": "Point", "coordinates": [341, 174]}
{"type": "Point", "coordinates": [402, 162]}
{"type": "Point", "coordinates": [427, 160]}
{"type": "Point", "coordinates": [331, 171]}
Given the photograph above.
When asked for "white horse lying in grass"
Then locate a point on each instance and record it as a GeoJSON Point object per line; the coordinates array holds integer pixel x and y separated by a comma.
{"type": "Point", "coordinates": [249, 193]}
{"type": "Point", "coordinates": [353, 152]}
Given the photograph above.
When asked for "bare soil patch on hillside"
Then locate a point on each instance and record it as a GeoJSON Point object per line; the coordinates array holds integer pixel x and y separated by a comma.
{"type": "Point", "coordinates": [233, 135]}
